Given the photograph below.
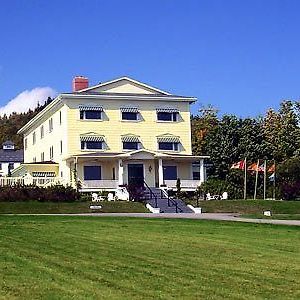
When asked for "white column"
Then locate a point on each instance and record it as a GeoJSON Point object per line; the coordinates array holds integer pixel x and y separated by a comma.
{"type": "Point", "coordinates": [202, 171]}
{"type": "Point", "coordinates": [121, 170]}
{"type": "Point", "coordinates": [160, 173]}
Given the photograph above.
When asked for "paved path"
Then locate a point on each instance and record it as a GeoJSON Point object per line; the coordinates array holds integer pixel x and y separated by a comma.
{"type": "Point", "coordinates": [203, 216]}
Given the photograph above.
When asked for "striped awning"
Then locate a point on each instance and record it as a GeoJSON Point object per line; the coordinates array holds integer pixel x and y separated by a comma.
{"type": "Point", "coordinates": [132, 109]}
{"type": "Point", "coordinates": [92, 138]}
{"type": "Point", "coordinates": [90, 107]}
{"type": "Point", "coordinates": [130, 139]}
{"type": "Point", "coordinates": [43, 174]}
{"type": "Point", "coordinates": [168, 139]}
{"type": "Point", "coordinates": [167, 109]}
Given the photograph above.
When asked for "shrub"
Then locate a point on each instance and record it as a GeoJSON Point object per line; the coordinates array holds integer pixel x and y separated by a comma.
{"type": "Point", "coordinates": [56, 193]}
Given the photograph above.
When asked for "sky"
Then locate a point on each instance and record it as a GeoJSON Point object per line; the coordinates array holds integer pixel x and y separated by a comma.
{"type": "Point", "coordinates": [242, 57]}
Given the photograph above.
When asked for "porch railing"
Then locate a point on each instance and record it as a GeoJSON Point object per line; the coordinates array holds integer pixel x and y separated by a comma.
{"type": "Point", "coordinates": [109, 184]}
{"type": "Point", "coordinates": [184, 183]}
{"type": "Point", "coordinates": [36, 181]}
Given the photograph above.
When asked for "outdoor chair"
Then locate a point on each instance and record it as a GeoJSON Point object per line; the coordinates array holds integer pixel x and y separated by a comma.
{"type": "Point", "coordinates": [97, 198]}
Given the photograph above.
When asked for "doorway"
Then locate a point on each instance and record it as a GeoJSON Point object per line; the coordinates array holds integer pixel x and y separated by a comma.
{"type": "Point", "coordinates": [136, 174]}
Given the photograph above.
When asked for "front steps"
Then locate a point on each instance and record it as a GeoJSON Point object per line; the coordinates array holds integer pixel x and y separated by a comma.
{"type": "Point", "coordinates": [165, 206]}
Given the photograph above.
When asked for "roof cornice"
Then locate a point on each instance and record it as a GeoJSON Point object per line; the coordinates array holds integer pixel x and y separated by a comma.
{"type": "Point", "coordinates": [129, 97]}
{"type": "Point", "coordinates": [50, 106]}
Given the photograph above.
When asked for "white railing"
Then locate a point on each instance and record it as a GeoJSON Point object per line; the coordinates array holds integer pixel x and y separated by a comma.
{"type": "Point", "coordinates": [109, 184]}
{"type": "Point", "coordinates": [184, 183]}
{"type": "Point", "coordinates": [29, 180]}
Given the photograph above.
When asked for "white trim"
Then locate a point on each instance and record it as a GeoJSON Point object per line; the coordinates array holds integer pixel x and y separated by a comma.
{"type": "Point", "coordinates": [124, 78]}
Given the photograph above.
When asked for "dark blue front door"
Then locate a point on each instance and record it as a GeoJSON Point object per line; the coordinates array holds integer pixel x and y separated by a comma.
{"type": "Point", "coordinates": [136, 174]}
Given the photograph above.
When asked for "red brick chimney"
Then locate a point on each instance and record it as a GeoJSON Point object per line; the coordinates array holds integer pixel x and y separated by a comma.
{"type": "Point", "coordinates": [79, 83]}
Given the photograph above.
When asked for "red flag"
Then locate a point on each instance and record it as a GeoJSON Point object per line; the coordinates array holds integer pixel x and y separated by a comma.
{"type": "Point", "coordinates": [253, 167]}
{"type": "Point", "coordinates": [238, 165]}
{"type": "Point", "coordinates": [272, 169]}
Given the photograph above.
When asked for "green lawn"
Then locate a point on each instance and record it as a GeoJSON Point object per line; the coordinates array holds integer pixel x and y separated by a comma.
{"type": "Point", "coordinates": [48, 257]}
{"type": "Point", "coordinates": [35, 207]}
{"type": "Point", "coordinates": [249, 206]}
{"type": "Point", "coordinates": [274, 216]}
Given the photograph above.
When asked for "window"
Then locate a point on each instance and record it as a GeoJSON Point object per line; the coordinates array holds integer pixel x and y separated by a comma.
{"type": "Point", "coordinates": [196, 170]}
{"type": "Point", "coordinates": [51, 152]}
{"type": "Point", "coordinates": [132, 116]}
{"type": "Point", "coordinates": [42, 156]}
{"type": "Point", "coordinates": [34, 159]}
{"type": "Point", "coordinates": [92, 173]}
{"type": "Point", "coordinates": [168, 146]}
{"type": "Point", "coordinates": [25, 143]}
{"type": "Point", "coordinates": [61, 147]}
{"type": "Point", "coordinates": [10, 166]}
{"type": "Point", "coordinates": [130, 145]}
{"type": "Point", "coordinates": [50, 125]}
{"type": "Point", "coordinates": [0, 166]}
{"type": "Point", "coordinates": [167, 116]}
{"type": "Point", "coordinates": [90, 115]}
{"type": "Point", "coordinates": [91, 145]}
{"type": "Point", "coordinates": [42, 131]}
{"type": "Point", "coordinates": [33, 138]}
{"type": "Point", "coordinates": [60, 118]}
{"type": "Point", "coordinates": [170, 172]}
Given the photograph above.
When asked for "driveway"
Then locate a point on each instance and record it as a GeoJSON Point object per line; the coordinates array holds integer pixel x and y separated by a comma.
{"type": "Point", "coordinates": [203, 216]}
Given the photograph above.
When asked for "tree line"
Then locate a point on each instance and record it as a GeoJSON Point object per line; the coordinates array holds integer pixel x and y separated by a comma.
{"type": "Point", "coordinates": [274, 136]}
{"type": "Point", "coordinates": [9, 125]}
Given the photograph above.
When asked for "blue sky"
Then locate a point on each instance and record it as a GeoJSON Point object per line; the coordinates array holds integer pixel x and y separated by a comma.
{"type": "Point", "coordinates": [240, 56]}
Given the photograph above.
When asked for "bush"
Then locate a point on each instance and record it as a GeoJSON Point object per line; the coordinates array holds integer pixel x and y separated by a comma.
{"type": "Point", "coordinates": [56, 193]}
{"type": "Point", "coordinates": [288, 179]}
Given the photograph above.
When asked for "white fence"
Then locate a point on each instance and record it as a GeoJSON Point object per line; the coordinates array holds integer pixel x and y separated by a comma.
{"type": "Point", "coordinates": [29, 180]}
{"type": "Point", "coordinates": [185, 184]}
{"type": "Point", "coordinates": [99, 184]}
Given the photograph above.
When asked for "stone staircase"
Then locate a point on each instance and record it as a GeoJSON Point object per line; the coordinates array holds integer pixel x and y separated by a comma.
{"type": "Point", "coordinates": [172, 206]}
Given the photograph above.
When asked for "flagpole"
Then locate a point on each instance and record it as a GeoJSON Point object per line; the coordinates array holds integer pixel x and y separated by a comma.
{"type": "Point", "coordinates": [245, 178]}
{"type": "Point", "coordinates": [265, 178]}
{"type": "Point", "coordinates": [274, 184]}
{"type": "Point", "coordinates": [256, 178]}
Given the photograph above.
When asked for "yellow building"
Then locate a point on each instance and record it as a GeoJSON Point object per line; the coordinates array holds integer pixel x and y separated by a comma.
{"type": "Point", "coordinates": [111, 134]}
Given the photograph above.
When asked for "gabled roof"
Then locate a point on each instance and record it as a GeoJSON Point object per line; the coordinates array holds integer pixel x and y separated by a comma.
{"type": "Point", "coordinates": [128, 79]}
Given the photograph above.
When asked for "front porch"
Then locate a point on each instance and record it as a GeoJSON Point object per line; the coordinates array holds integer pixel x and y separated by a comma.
{"type": "Point", "coordinates": [108, 171]}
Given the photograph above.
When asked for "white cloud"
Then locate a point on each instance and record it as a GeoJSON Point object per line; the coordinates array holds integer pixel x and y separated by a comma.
{"type": "Point", "coordinates": [28, 99]}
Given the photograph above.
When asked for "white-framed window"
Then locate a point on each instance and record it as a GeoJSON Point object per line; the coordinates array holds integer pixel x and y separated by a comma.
{"type": "Point", "coordinates": [34, 159]}
{"type": "Point", "coordinates": [168, 146]}
{"type": "Point", "coordinates": [51, 152]}
{"type": "Point", "coordinates": [33, 138]}
{"type": "Point", "coordinates": [42, 156]}
{"type": "Point", "coordinates": [91, 145]}
{"type": "Point", "coordinates": [92, 173]}
{"type": "Point", "coordinates": [167, 114]}
{"type": "Point", "coordinates": [50, 124]}
{"type": "Point", "coordinates": [61, 147]}
{"type": "Point", "coordinates": [92, 142]}
{"type": "Point", "coordinates": [130, 145]}
{"type": "Point", "coordinates": [90, 112]}
{"type": "Point", "coordinates": [130, 113]}
{"type": "Point", "coordinates": [25, 143]}
{"type": "Point", "coordinates": [42, 131]}
{"type": "Point", "coordinates": [60, 118]}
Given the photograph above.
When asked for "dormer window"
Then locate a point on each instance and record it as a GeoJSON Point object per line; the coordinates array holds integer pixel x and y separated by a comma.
{"type": "Point", "coordinates": [92, 142]}
{"type": "Point", "coordinates": [129, 113]}
{"type": "Point", "coordinates": [168, 143]}
{"type": "Point", "coordinates": [8, 145]}
{"type": "Point", "coordinates": [89, 112]}
{"type": "Point", "coordinates": [131, 142]}
{"type": "Point", "coordinates": [167, 114]}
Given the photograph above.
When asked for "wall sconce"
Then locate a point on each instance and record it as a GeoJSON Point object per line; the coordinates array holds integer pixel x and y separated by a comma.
{"type": "Point", "coordinates": [150, 169]}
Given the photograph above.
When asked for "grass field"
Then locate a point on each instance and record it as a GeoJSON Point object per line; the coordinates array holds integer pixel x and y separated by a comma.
{"type": "Point", "coordinates": [249, 206]}
{"type": "Point", "coordinates": [35, 207]}
{"type": "Point", "coordinates": [44, 257]}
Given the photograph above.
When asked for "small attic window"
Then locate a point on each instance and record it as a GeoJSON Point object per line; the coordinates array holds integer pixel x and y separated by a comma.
{"type": "Point", "coordinates": [8, 145]}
